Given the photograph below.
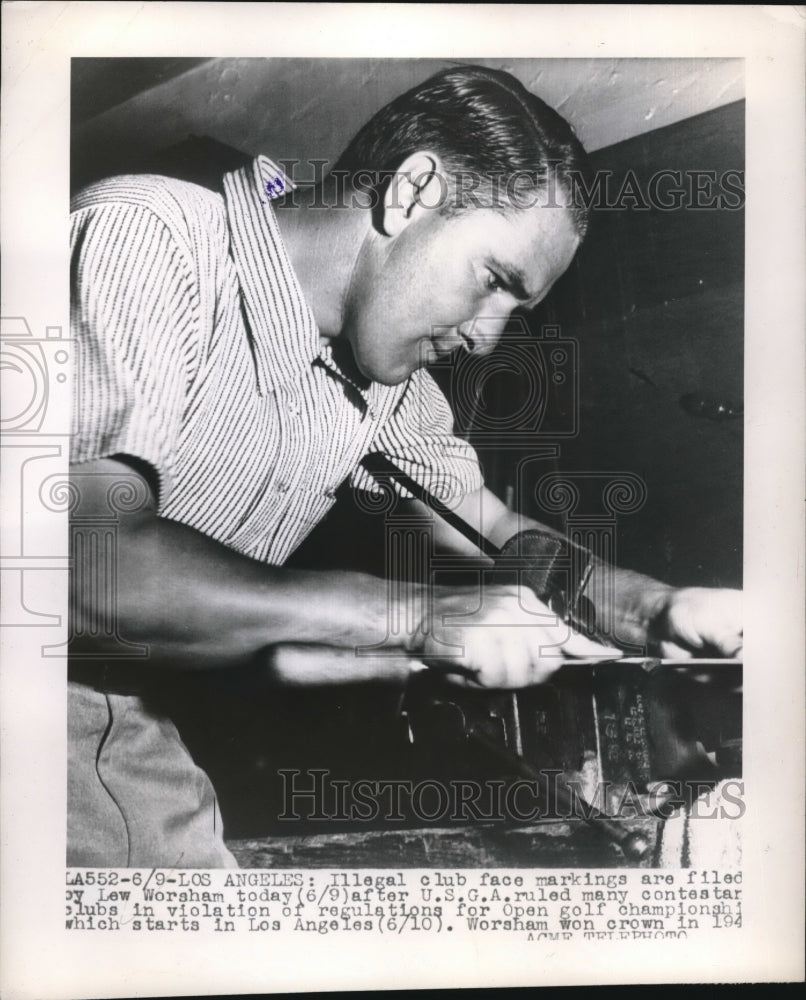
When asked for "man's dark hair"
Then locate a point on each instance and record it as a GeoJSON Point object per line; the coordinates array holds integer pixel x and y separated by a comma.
{"type": "Point", "coordinates": [500, 144]}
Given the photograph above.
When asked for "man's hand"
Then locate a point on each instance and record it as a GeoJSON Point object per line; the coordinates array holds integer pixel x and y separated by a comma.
{"type": "Point", "coordinates": [510, 641]}
{"type": "Point", "coordinates": [697, 620]}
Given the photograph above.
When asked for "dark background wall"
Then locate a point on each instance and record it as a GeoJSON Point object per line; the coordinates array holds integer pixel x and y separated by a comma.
{"type": "Point", "coordinates": [655, 302]}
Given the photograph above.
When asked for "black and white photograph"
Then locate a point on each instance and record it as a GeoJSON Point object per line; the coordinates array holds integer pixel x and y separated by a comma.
{"type": "Point", "coordinates": [338, 356]}
{"type": "Point", "coordinates": [396, 467]}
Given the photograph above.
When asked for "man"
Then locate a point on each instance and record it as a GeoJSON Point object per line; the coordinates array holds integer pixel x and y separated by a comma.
{"type": "Point", "coordinates": [241, 352]}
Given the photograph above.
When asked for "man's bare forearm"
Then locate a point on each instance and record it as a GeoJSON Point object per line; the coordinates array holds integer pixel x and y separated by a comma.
{"type": "Point", "coordinates": [196, 603]}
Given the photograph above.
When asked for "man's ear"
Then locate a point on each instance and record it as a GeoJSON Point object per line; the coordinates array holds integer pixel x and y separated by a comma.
{"type": "Point", "coordinates": [417, 186]}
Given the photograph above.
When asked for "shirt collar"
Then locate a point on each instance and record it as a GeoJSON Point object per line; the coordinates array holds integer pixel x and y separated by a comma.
{"type": "Point", "coordinates": [283, 333]}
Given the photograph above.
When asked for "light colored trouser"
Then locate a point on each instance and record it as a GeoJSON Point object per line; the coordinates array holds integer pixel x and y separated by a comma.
{"type": "Point", "coordinates": [135, 798]}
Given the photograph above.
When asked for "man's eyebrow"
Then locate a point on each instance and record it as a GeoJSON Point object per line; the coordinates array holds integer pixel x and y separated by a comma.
{"type": "Point", "coordinates": [514, 277]}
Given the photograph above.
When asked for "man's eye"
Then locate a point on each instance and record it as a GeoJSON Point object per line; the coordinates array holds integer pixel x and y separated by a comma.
{"type": "Point", "coordinates": [492, 282]}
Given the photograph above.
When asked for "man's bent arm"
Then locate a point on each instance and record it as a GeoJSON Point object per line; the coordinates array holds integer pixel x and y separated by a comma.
{"type": "Point", "coordinates": [647, 612]}
{"type": "Point", "coordinates": [196, 603]}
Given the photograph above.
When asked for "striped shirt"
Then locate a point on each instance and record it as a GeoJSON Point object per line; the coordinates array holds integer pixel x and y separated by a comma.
{"type": "Point", "coordinates": [200, 356]}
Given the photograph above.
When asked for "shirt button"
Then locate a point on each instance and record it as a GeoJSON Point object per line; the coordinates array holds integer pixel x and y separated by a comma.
{"type": "Point", "coordinates": [371, 412]}
{"type": "Point", "coordinates": [293, 408]}
{"type": "Point", "coordinates": [282, 487]}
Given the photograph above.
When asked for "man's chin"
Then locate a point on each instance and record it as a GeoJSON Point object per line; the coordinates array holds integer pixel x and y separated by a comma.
{"type": "Point", "coordinates": [384, 374]}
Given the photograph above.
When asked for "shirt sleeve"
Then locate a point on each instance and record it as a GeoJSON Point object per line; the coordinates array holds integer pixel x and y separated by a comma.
{"type": "Point", "coordinates": [419, 439]}
{"type": "Point", "coordinates": [133, 311]}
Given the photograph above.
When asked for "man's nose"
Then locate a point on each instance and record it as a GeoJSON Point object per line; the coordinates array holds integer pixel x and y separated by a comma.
{"type": "Point", "coordinates": [482, 333]}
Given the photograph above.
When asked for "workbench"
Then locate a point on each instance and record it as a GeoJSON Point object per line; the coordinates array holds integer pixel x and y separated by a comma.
{"type": "Point", "coordinates": [543, 845]}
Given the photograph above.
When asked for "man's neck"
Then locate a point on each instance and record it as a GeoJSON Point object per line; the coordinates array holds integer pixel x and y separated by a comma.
{"type": "Point", "coordinates": [323, 236]}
